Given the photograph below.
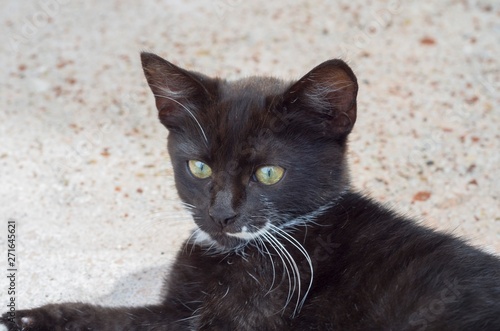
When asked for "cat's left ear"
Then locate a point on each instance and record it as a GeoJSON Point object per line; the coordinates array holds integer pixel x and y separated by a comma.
{"type": "Point", "coordinates": [328, 92]}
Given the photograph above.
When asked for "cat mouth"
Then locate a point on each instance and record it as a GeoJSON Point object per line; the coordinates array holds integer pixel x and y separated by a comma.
{"type": "Point", "coordinates": [247, 235]}
{"type": "Point", "coordinates": [230, 240]}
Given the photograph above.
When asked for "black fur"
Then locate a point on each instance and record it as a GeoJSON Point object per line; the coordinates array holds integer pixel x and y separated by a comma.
{"type": "Point", "coordinates": [359, 265]}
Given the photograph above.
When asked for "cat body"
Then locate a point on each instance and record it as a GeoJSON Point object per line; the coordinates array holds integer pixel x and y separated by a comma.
{"type": "Point", "coordinates": [407, 278]}
{"type": "Point", "coordinates": [282, 241]}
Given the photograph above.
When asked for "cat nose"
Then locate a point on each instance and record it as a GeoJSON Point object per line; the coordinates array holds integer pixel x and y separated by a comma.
{"type": "Point", "coordinates": [222, 216]}
{"type": "Point", "coordinates": [222, 211]}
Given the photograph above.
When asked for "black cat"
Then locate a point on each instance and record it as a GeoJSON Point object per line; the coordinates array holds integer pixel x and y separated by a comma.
{"type": "Point", "coordinates": [283, 242]}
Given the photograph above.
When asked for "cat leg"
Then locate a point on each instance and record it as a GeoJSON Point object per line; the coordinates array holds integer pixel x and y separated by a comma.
{"type": "Point", "coordinates": [80, 317]}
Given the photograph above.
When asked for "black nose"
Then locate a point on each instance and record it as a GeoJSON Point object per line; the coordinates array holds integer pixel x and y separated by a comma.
{"type": "Point", "coordinates": [221, 211]}
{"type": "Point", "coordinates": [222, 216]}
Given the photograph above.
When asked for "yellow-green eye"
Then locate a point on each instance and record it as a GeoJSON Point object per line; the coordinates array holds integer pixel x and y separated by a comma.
{"type": "Point", "coordinates": [199, 169]}
{"type": "Point", "coordinates": [269, 175]}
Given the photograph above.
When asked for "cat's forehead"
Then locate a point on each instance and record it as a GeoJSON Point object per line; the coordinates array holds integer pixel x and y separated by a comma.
{"type": "Point", "coordinates": [239, 120]}
{"type": "Point", "coordinates": [244, 103]}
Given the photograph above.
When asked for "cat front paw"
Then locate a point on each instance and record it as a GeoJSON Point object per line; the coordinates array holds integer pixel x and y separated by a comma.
{"type": "Point", "coordinates": [23, 320]}
{"type": "Point", "coordinates": [65, 317]}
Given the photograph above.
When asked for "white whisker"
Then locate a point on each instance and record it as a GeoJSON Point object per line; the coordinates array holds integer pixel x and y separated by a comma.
{"type": "Point", "coordinates": [184, 107]}
{"type": "Point", "coordinates": [188, 241]}
{"type": "Point", "coordinates": [283, 255]}
{"type": "Point", "coordinates": [272, 264]}
{"type": "Point", "coordinates": [301, 249]}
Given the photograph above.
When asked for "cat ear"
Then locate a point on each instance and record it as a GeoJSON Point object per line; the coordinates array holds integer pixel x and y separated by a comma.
{"type": "Point", "coordinates": [177, 91]}
{"type": "Point", "coordinates": [329, 93]}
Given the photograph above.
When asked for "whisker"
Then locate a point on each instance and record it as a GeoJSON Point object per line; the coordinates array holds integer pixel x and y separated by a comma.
{"type": "Point", "coordinates": [189, 318]}
{"type": "Point", "coordinates": [283, 256]}
{"type": "Point", "coordinates": [263, 250]}
{"type": "Point", "coordinates": [301, 249]}
{"type": "Point", "coordinates": [186, 109]}
{"type": "Point", "coordinates": [188, 241]}
{"type": "Point", "coordinates": [272, 264]}
{"type": "Point", "coordinates": [188, 205]}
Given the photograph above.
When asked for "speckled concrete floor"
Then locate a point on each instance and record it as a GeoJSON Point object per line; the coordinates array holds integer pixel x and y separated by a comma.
{"type": "Point", "coordinates": [84, 171]}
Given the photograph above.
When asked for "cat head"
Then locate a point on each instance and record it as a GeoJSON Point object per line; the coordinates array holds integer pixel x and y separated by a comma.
{"type": "Point", "coordinates": [258, 153]}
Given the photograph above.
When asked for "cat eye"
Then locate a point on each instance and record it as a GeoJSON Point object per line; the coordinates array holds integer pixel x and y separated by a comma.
{"type": "Point", "coordinates": [199, 169]}
{"type": "Point", "coordinates": [269, 175]}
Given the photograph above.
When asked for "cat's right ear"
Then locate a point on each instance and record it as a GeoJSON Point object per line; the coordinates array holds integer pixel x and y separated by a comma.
{"type": "Point", "coordinates": [177, 91]}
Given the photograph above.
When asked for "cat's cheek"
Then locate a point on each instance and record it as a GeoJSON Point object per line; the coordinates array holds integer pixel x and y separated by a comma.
{"type": "Point", "coordinates": [194, 192]}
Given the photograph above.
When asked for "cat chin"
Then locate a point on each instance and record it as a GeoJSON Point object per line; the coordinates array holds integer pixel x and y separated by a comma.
{"type": "Point", "coordinates": [200, 237]}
